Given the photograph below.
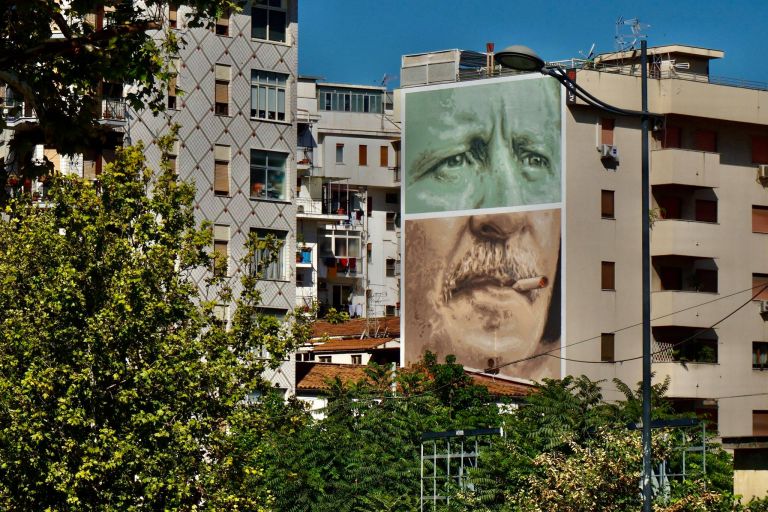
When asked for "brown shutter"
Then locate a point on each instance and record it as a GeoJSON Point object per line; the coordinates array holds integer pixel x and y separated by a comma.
{"type": "Point", "coordinates": [221, 177]}
{"type": "Point", "coordinates": [606, 204]}
{"type": "Point", "coordinates": [607, 343]}
{"type": "Point", "coordinates": [760, 219]}
{"type": "Point", "coordinates": [760, 286]}
{"type": "Point", "coordinates": [221, 255]}
{"type": "Point", "coordinates": [363, 155]}
{"type": "Point", "coordinates": [760, 423]}
{"type": "Point", "coordinates": [384, 156]}
{"type": "Point", "coordinates": [222, 91]}
{"type": "Point", "coordinates": [607, 279]}
{"type": "Point", "coordinates": [606, 132]}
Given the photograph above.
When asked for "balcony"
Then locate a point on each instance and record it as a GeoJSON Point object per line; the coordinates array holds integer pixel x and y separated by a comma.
{"type": "Point", "coordinates": [112, 111]}
{"type": "Point", "coordinates": [304, 158]}
{"type": "Point", "coordinates": [685, 167]}
{"type": "Point", "coordinates": [308, 208]}
{"type": "Point", "coordinates": [685, 238]}
{"type": "Point", "coordinates": [684, 344]}
{"type": "Point", "coordinates": [677, 307]}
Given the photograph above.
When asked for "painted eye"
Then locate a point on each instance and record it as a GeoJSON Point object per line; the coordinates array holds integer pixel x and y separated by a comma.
{"type": "Point", "coordinates": [451, 168]}
{"type": "Point", "coordinates": [535, 160]}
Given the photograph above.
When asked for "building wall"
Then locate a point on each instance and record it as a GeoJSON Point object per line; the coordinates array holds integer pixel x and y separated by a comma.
{"type": "Point", "coordinates": [201, 129]}
{"type": "Point", "coordinates": [365, 185]}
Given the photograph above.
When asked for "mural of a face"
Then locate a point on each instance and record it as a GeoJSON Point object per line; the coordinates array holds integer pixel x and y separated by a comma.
{"type": "Point", "coordinates": [485, 146]}
{"type": "Point", "coordinates": [480, 287]}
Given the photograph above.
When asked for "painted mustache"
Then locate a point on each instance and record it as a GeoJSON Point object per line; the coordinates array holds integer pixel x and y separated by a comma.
{"type": "Point", "coordinates": [492, 263]}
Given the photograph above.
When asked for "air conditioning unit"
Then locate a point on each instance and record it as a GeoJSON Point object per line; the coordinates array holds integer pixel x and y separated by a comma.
{"type": "Point", "coordinates": [609, 151]}
{"type": "Point", "coordinates": [762, 172]}
{"type": "Point", "coordinates": [763, 306]}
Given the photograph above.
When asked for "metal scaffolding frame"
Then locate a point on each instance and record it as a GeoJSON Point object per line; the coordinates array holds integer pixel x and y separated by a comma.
{"type": "Point", "coordinates": [444, 470]}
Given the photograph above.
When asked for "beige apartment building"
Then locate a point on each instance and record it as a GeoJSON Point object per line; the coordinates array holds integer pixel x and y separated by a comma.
{"type": "Point", "coordinates": [709, 239]}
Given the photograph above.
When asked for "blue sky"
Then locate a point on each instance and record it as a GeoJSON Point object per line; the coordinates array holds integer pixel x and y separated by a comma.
{"type": "Point", "coordinates": [358, 41]}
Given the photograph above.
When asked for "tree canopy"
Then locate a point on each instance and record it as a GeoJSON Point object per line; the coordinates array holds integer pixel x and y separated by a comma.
{"type": "Point", "coordinates": [117, 384]}
{"type": "Point", "coordinates": [56, 56]}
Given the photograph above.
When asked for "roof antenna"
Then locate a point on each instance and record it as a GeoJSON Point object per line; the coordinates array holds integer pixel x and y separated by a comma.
{"type": "Point", "coordinates": [627, 41]}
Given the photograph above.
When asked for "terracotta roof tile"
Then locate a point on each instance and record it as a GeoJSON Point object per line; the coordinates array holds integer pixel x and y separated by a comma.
{"type": "Point", "coordinates": [319, 374]}
{"type": "Point", "coordinates": [389, 326]}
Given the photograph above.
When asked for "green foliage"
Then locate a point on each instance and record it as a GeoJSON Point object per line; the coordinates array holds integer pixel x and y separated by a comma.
{"type": "Point", "coordinates": [332, 316]}
{"type": "Point", "coordinates": [61, 77]}
{"type": "Point", "coordinates": [117, 386]}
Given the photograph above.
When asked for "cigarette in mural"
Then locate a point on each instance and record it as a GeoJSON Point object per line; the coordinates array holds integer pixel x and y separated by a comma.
{"type": "Point", "coordinates": [530, 283]}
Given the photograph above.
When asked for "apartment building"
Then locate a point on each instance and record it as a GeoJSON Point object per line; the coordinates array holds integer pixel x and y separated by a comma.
{"type": "Point", "coordinates": [347, 198]}
{"type": "Point", "coordinates": [709, 240]}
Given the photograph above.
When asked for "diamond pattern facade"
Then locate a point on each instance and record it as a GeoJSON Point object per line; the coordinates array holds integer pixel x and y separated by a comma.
{"type": "Point", "coordinates": [201, 129]}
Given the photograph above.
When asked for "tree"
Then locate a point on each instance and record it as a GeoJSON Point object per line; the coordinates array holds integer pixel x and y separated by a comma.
{"type": "Point", "coordinates": [56, 57]}
{"type": "Point", "coordinates": [117, 385]}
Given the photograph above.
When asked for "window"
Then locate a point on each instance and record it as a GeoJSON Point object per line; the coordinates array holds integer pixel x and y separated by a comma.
{"type": "Point", "coordinates": [705, 140]}
{"type": "Point", "coordinates": [173, 15]}
{"type": "Point", "coordinates": [393, 267]}
{"type": "Point", "coordinates": [346, 244]}
{"type": "Point", "coordinates": [324, 359]}
{"type": "Point", "coordinates": [222, 25]}
{"type": "Point", "coordinates": [221, 170]}
{"type": "Point", "coordinates": [173, 154]}
{"type": "Point", "coordinates": [270, 265]}
{"type": "Point", "coordinates": [391, 221]}
{"type": "Point", "coordinates": [220, 250]}
{"type": "Point", "coordinates": [390, 310]}
{"type": "Point", "coordinates": [223, 75]}
{"type": "Point", "coordinates": [760, 150]}
{"type": "Point", "coordinates": [267, 175]}
{"type": "Point", "coordinates": [606, 204]}
{"type": "Point", "coordinates": [173, 84]}
{"type": "Point", "coordinates": [607, 347]}
{"type": "Point", "coordinates": [392, 198]}
{"type": "Point", "coordinates": [760, 355]}
{"type": "Point", "coordinates": [760, 286]}
{"type": "Point", "coordinates": [305, 356]}
{"type": "Point", "coordinates": [350, 100]}
{"type": "Point", "coordinates": [357, 359]}
{"type": "Point", "coordinates": [269, 20]}
{"type": "Point", "coordinates": [384, 156]}
{"type": "Point", "coordinates": [362, 155]}
{"type": "Point", "coordinates": [369, 206]}
{"type": "Point", "coordinates": [606, 130]}
{"type": "Point", "coordinates": [339, 153]}
{"type": "Point", "coordinates": [759, 219]}
{"type": "Point", "coordinates": [268, 95]}
{"type": "Point", "coordinates": [706, 210]}
{"type": "Point", "coordinates": [607, 278]}
{"type": "Point", "coordinates": [760, 423]}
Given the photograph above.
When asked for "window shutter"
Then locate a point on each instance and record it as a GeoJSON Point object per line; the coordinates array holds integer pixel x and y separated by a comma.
{"type": "Point", "coordinates": [222, 90]}
{"type": "Point", "coordinates": [760, 219]}
{"type": "Point", "coordinates": [384, 156]}
{"type": "Point", "coordinates": [606, 132]}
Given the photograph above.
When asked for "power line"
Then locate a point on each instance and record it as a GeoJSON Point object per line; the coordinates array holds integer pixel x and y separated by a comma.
{"type": "Point", "coordinates": [550, 352]}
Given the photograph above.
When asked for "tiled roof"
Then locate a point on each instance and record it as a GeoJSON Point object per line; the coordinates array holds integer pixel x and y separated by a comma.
{"type": "Point", "coordinates": [319, 374]}
{"type": "Point", "coordinates": [389, 326]}
{"type": "Point", "coordinates": [502, 387]}
{"type": "Point", "coordinates": [354, 345]}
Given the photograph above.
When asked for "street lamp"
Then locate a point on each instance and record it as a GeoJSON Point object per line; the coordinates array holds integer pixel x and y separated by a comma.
{"type": "Point", "coordinates": [522, 58]}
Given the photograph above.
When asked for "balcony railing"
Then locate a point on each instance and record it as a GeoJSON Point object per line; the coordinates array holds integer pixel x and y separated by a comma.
{"type": "Point", "coordinates": [113, 109]}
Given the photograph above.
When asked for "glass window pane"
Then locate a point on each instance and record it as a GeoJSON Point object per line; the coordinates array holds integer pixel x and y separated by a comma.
{"type": "Point", "coordinates": [354, 247]}
{"type": "Point", "coordinates": [281, 104]}
{"type": "Point", "coordinates": [258, 158]}
{"type": "Point", "coordinates": [262, 101]}
{"type": "Point", "coordinates": [259, 23]}
{"type": "Point", "coordinates": [254, 101]}
{"type": "Point", "coordinates": [272, 102]}
{"type": "Point", "coordinates": [277, 25]}
{"type": "Point", "coordinates": [340, 247]}
{"type": "Point", "coordinates": [258, 183]}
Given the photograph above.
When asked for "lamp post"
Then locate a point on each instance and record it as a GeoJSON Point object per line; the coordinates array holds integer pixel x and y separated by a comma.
{"type": "Point", "coordinates": [522, 58]}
